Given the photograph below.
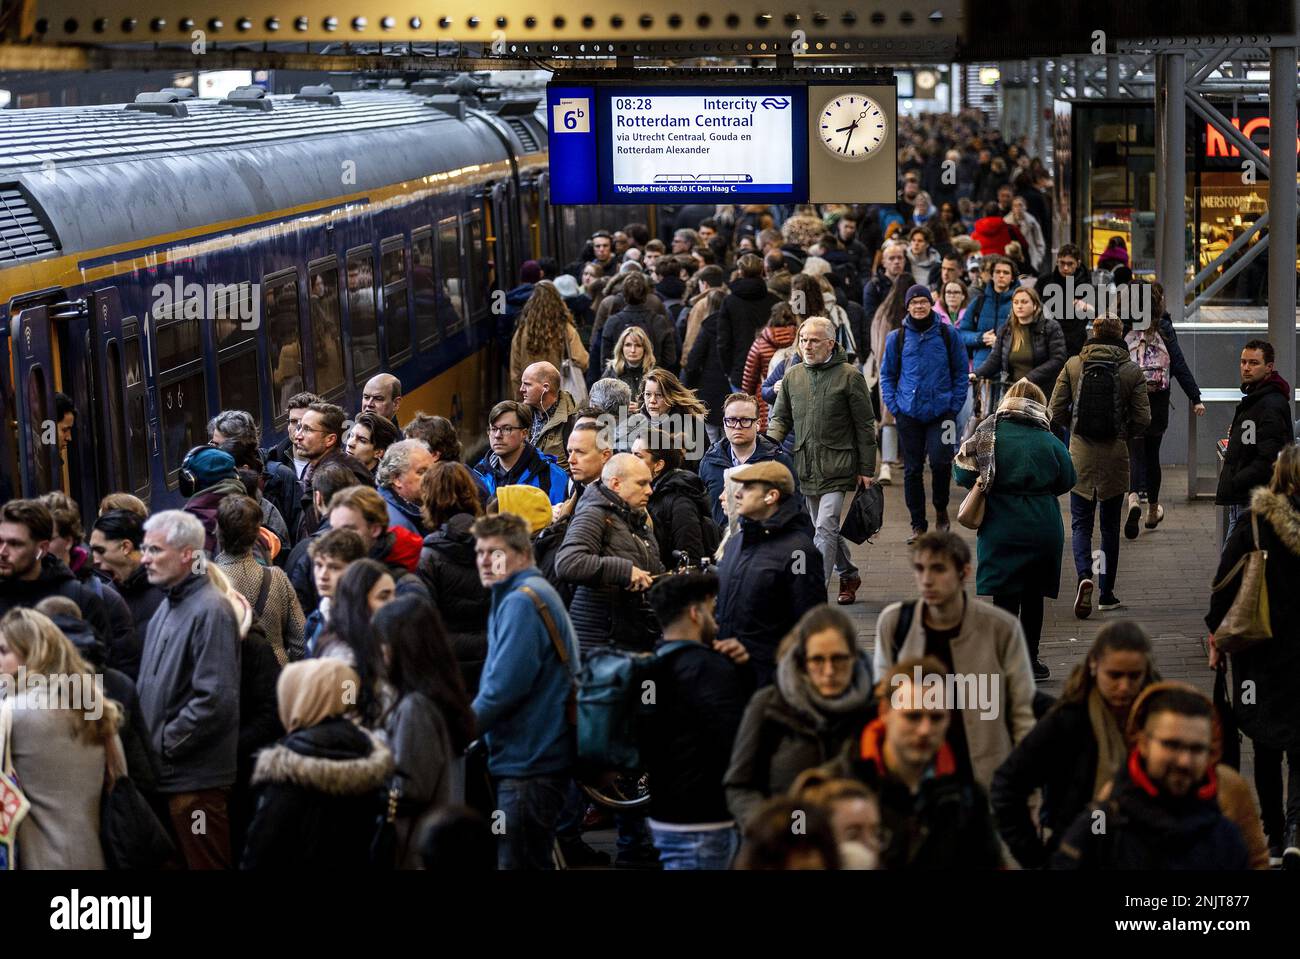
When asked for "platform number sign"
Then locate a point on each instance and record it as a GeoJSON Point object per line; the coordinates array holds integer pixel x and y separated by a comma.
{"type": "Point", "coordinates": [571, 115]}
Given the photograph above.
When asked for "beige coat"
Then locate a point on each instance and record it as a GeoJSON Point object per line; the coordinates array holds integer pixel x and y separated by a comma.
{"type": "Point", "coordinates": [991, 645]}
{"type": "Point", "coordinates": [520, 359]}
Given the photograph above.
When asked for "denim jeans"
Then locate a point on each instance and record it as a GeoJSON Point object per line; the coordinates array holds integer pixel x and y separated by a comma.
{"type": "Point", "coordinates": [532, 808]}
{"type": "Point", "coordinates": [1082, 511]}
{"type": "Point", "coordinates": [966, 412]}
{"type": "Point", "coordinates": [825, 511]}
{"type": "Point", "coordinates": [1235, 513]}
{"type": "Point", "coordinates": [705, 849]}
{"type": "Point", "coordinates": [919, 440]}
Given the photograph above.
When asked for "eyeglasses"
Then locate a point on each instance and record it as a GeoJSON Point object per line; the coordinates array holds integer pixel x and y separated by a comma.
{"type": "Point", "coordinates": [837, 661]}
{"type": "Point", "coordinates": [503, 430]}
{"type": "Point", "coordinates": [302, 427]}
{"type": "Point", "coordinates": [738, 422]}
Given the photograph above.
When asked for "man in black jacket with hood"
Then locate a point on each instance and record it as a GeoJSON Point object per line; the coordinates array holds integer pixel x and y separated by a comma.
{"type": "Point", "coordinates": [745, 311]}
{"type": "Point", "coordinates": [1261, 426]}
{"type": "Point", "coordinates": [29, 573]}
{"type": "Point", "coordinates": [1162, 811]}
{"type": "Point", "coordinates": [700, 696]}
{"type": "Point", "coordinates": [1062, 291]}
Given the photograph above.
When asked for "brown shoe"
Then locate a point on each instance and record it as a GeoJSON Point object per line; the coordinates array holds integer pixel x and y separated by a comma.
{"type": "Point", "coordinates": [849, 586]}
{"type": "Point", "coordinates": [941, 520]}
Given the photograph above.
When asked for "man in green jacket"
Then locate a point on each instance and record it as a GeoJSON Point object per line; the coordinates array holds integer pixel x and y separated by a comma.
{"type": "Point", "coordinates": [825, 401]}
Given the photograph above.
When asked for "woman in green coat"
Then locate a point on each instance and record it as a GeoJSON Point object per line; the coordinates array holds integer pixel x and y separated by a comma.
{"type": "Point", "coordinates": [1023, 468]}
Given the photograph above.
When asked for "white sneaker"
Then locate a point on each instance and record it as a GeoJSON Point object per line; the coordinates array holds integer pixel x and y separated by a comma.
{"type": "Point", "coordinates": [886, 476]}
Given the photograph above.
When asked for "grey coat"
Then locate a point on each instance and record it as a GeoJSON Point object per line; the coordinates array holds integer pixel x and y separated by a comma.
{"type": "Point", "coordinates": [427, 769]}
{"type": "Point", "coordinates": [189, 687]}
{"type": "Point", "coordinates": [605, 540]}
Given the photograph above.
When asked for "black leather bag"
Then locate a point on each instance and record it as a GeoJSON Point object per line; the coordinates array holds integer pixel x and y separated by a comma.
{"type": "Point", "coordinates": [131, 835]}
{"type": "Point", "coordinates": [866, 515]}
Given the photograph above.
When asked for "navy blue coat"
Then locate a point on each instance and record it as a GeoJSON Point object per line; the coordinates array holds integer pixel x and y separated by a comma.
{"type": "Point", "coordinates": [717, 460]}
{"type": "Point", "coordinates": [770, 575]}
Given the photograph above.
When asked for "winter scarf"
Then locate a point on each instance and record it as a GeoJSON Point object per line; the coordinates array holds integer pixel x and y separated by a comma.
{"type": "Point", "coordinates": [798, 691]}
{"type": "Point", "coordinates": [1111, 748]}
{"type": "Point", "coordinates": [977, 453]}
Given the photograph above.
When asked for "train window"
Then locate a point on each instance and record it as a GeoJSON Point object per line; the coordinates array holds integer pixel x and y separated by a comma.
{"type": "Point", "coordinates": [326, 328]}
{"type": "Point", "coordinates": [184, 414]}
{"type": "Point", "coordinates": [116, 419]}
{"type": "Point", "coordinates": [452, 300]}
{"type": "Point", "coordinates": [397, 320]}
{"type": "Point", "coordinates": [480, 263]}
{"type": "Point", "coordinates": [284, 340]}
{"type": "Point", "coordinates": [237, 383]}
{"type": "Point", "coordinates": [178, 344]}
{"type": "Point", "coordinates": [423, 291]}
{"type": "Point", "coordinates": [138, 423]}
{"type": "Point", "coordinates": [361, 313]}
{"type": "Point", "coordinates": [37, 430]}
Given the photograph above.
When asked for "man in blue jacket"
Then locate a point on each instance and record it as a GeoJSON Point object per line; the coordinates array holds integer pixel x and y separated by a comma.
{"type": "Point", "coordinates": [742, 444]}
{"type": "Point", "coordinates": [988, 310]}
{"type": "Point", "coordinates": [513, 461]}
{"type": "Point", "coordinates": [524, 703]}
{"type": "Point", "coordinates": [923, 380]}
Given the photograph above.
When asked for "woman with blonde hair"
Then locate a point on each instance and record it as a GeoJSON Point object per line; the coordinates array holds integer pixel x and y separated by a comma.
{"type": "Point", "coordinates": [61, 733]}
{"type": "Point", "coordinates": [633, 357]}
{"type": "Point", "coordinates": [545, 332]}
{"type": "Point", "coordinates": [1028, 346]}
{"type": "Point", "coordinates": [1022, 467]}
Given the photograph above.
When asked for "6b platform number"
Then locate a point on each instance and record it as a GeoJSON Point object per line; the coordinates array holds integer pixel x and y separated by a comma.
{"type": "Point", "coordinates": [571, 115]}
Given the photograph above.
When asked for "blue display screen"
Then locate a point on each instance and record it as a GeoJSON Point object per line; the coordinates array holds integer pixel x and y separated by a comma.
{"type": "Point", "coordinates": [666, 144]}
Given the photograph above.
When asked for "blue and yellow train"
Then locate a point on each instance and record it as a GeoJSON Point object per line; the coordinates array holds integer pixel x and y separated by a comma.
{"type": "Point", "coordinates": [166, 259]}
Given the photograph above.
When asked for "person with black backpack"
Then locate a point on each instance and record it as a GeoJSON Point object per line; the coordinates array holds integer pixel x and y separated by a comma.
{"type": "Point", "coordinates": [1101, 397]}
{"type": "Point", "coordinates": [702, 685]}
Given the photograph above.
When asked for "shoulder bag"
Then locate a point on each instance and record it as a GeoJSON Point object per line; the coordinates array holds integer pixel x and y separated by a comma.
{"type": "Point", "coordinates": [971, 512]}
{"type": "Point", "coordinates": [1247, 623]}
{"type": "Point", "coordinates": [571, 378]}
{"type": "Point", "coordinates": [14, 806]}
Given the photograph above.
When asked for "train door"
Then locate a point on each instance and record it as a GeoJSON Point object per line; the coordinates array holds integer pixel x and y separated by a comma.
{"type": "Point", "coordinates": [108, 402]}
{"type": "Point", "coordinates": [38, 440]}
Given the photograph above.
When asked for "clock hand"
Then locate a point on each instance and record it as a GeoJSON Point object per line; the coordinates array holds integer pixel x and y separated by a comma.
{"type": "Point", "coordinates": [849, 137]}
{"type": "Point", "coordinates": [849, 127]}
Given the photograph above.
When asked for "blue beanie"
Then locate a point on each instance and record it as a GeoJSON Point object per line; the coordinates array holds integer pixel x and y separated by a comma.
{"type": "Point", "coordinates": [210, 466]}
{"type": "Point", "coordinates": [917, 290]}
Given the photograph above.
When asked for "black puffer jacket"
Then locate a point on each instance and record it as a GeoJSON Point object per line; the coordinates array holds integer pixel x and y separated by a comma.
{"type": "Point", "coordinates": [124, 641]}
{"type": "Point", "coordinates": [1052, 288]}
{"type": "Point", "coordinates": [448, 568]}
{"type": "Point", "coordinates": [705, 369]}
{"type": "Point", "coordinates": [605, 541]}
{"type": "Point", "coordinates": [1146, 829]}
{"type": "Point", "coordinates": [318, 795]}
{"type": "Point", "coordinates": [1048, 344]}
{"type": "Point", "coordinates": [745, 311]}
{"type": "Point", "coordinates": [658, 327]}
{"type": "Point", "coordinates": [1058, 756]}
{"type": "Point", "coordinates": [142, 598]}
{"type": "Point", "coordinates": [679, 506]}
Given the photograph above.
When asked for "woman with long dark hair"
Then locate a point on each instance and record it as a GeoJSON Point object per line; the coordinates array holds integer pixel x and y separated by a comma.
{"type": "Point", "coordinates": [429, 723]}
{"type": "Point", "coordinates": [361, 591]}
{"type": "Point", "coordinates": [1077, 747]}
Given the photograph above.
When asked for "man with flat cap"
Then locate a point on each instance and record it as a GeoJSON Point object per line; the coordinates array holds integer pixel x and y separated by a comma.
{"type": "Point", "coordinates": [771, 570]}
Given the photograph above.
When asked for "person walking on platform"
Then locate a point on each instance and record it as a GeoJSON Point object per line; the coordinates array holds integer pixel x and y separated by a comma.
{"type": "Point", "coordinates": [1101, 397]}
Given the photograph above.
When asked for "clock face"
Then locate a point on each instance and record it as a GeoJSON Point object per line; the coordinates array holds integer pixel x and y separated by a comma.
{"type": "Point", "coordinates": [852, 127]}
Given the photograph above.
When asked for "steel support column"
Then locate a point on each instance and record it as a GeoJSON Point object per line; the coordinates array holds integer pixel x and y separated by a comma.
{"type": "Point", "coordinates": [1282, 210]}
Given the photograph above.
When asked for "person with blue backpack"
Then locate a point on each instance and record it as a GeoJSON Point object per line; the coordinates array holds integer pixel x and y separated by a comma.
{"type": "Point", "coordinates": [513, 461]}
{"type": "Point", "coordinates": [988, 310]}
{"type": "Point", "coordinates": [923, 380]}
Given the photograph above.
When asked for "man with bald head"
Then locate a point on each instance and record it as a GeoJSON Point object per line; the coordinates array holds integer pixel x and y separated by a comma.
{"type": "Point", "coordinates": [825, 401]}
{"type": "Point", "coordinates": [554, 410]}
{"type": "Point", "coordinates": [382, 395]}
{"type": "Point", "coordinates": [611, 556]}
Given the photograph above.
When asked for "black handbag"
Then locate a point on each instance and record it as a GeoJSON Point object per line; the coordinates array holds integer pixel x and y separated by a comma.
{"type": "Point", "coordinates": [866, 515]}
{"type": "Point", "coordinates": [383, 847]}
{"type": "Point", "coordinates": [130, 833]}
{"type": "Point", "coordinates": [1230, 735]}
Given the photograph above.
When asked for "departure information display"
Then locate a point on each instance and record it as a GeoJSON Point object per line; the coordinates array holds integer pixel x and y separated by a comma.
{"type": "Point", "coordinates": [614, 142]}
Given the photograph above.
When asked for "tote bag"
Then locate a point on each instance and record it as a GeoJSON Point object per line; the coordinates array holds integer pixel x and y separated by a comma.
{"type": "Point", "coordinates": [14, 806]}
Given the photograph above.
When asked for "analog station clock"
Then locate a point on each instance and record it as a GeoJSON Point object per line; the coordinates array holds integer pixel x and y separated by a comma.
{"type": "Point", "coordinates": [852, 127]}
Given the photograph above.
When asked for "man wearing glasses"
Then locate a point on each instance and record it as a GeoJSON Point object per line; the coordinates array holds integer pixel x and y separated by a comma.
{"type": "Point", "coordinates": [1161, 811]}
{"type": "Point", "coordinates": [318, 440]}
{"type": "Point", "coordinates": [824, 400]}
{"type": "Point", "coordinates": [741, 444]}
{"type": "Point", "coordinates": [513, 461]}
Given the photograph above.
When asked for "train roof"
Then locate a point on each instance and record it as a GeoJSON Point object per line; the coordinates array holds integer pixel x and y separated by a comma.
{"type": "Point", "coordinates": [85, 178]}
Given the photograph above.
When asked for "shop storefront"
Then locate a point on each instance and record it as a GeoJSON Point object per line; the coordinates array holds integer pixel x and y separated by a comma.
{"type": "Point", "coordinates": [1108, 194]}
